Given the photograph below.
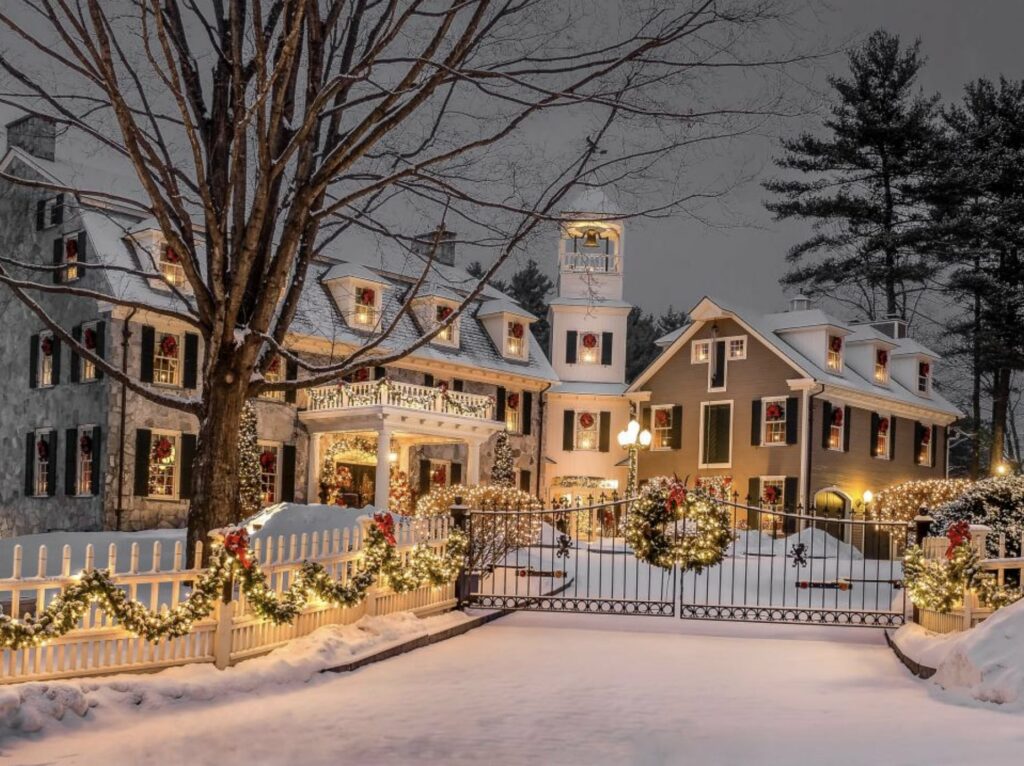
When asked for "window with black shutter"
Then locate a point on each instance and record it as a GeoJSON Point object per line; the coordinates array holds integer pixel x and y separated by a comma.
{"type": "Point", "coordinates": [606, 348]}
{"type": "Point", "coordinates": [570, 346]}
{"type": "Point", "coordinates": [148, 346]}
{"type": "Point", "coordinates": [288, 474]}
{"type": "Point", "coordinates": [527, 417]}
{"type": "Point", "coordinates": [143, 448]}
{"type": "Point", "coordinates": [185, 461]}
{"type": "Point", "coordinates": [716, 434]}
{"type": "Point", "coordinates": [97, 462]}
{"type": "Point", "coordinates": [792, 419]}
{"type": "Point", "coordinates": [499, 410]}
{"type": "Point", "coordinates": [190, 378]}
{"type": "Point", "coordinates": [525, 481]}
{"type": "Point", "coordinates": [568, 430]}
{"type": "Point", "coordinates": [605, 433]}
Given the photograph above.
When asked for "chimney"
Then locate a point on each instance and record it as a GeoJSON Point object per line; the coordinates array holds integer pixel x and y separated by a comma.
{"type": "Point", "coordinates": [423, 245]}
{"type": "Point", "coordinates": [35, 135]}
{"type": "Point", "coordinates": [893, 325]}
{"type": "Point", "coordinates": [799, 303]}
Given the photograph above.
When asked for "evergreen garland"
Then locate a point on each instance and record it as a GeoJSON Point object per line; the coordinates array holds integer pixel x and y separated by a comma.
{"type": "Point", "coordinates": [250, 474]}
{"type": "Point", "coordinates": [503, 472]}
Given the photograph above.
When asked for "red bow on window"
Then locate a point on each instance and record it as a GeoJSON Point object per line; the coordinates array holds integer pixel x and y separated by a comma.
{"type": "Point", "coordinates": [443, 312]}
{"type": "Point", "coordinates": [661, 418]}
{"type": "Point", "coordinates": [46, 346]}
{"type": "Point", "coordinates": [170, 256]}
{"type": "Point", "coordinates": [267, 461]}
{"type": "Point", "coordinates": [883, 426]}
{"type": "Point", "coordinates": [771, 495]}
{"type": "Point", "coordinates": [163, 449]}
{"type": "Point", "coordinates": [85, 444]}
{"type": "Point", "coordinates": [89, 338]}
{"type": "Point", "coordinates": [775, 411]}
{"type": "Point", "coordinates": [837, 417]}
{"type": "Point", "coordinates": [71, 249]}
{"type": "Point", "coordinates": [367, 296]}
{"type": "Point", "coordinates": [513, 401]}
{"type": "Point", "coordinates": [42, 449]}
{"type": "Point", "coordinates": [835, 343]}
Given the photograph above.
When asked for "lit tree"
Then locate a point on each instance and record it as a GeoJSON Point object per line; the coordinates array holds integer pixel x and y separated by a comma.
{"type": "Point", "coordinates": [249, 469]}
{"type": "Point", "coordinates": [400, 493]}
{"type": "Point", "coordinates": [503, 472]}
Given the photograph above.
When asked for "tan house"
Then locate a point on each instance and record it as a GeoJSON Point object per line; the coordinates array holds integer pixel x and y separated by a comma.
{"type": "Point", "coordinates": [792, 409]}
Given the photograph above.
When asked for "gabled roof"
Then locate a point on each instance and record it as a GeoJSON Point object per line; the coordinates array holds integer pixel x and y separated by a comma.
{"type": "Point", "coordinates": [504, 305]}
{"type": "Point", "coordinates": [593, 200]}
{"type": "Point", "coordinates": [353, 270]}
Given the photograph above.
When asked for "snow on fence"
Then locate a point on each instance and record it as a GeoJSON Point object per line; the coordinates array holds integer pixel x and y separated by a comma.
{"type": "Point", "coordinates": [232, 632]}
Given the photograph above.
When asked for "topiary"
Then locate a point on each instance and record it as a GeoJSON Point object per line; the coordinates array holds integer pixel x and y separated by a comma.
{"type": "Point", "coordinates": [998, 503]}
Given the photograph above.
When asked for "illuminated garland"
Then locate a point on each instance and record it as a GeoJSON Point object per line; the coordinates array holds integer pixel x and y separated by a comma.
{"type": "Point", "coordinates": [585, 482]}
{"type": "Point", "coordinates": [477, 409]}
{"type": "Point", "coordinates": [902, 502]}
{"type": "Point", "coordinates": [654, 533]}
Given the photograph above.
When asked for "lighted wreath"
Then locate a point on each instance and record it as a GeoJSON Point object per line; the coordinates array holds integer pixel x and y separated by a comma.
{"type": "Point", "coordinates": [590, 340]}
{"type": "Point", "coordinates": [267, 461]}
{"type": "Point", "coordinates": [513, 401]}
{"type": "Point", "coordinates": [89, 338]}
{"type": "Point", "coordinates": [43, 449]}
{"type": "Point", "coordinates": [837, 417]}
{"type": "Point", "coordinates": [882, 356]}
{"type": "Point", "coordinates": [367, 297]}
{"type": "Point", "coordinates": [661, 418]}
{"type": "Point", "coordinates": [85, 445]}
{"type": "Point", "coordinates": [46, 346]}
{"type": "Point", "coordinates": [670, 526]}
{"type": "Point", "coordinates": [775, 411]}
{"type": "Point", "coordinates": [586, 420]}
{"type": "Point", "coordinates": [517, 330]}
{"type": "Point", "coordinates": [835, 343]}
{"type": "Point", "coordinates": [71, 250]}
{"type": "Point", "coordinates": [163, 449]}
{"type": "Point", "coordinates": [883, 426]}
{"type": "Point", "coordinates": [169, 346]}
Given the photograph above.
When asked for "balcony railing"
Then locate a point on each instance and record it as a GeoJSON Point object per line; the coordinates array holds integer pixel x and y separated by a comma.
{"type": "Point", "coordinates": [397, 394]}
{"type": "Point", "coordinates": [601, 263]}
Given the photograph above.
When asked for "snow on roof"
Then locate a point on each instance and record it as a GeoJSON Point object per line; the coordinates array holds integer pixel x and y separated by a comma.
{"type": "Point", "coordinates": [593, 200]}
{"type": "Point", "coordinates": [589, 387]}
{"type": "Point", "coordinates": [504, 305]}
{"type": "Point", "coordinates": [803, 319]}
{"type": "Point", "coordinates": [594, 301]}
{"type": "Point", "coordinates": [350, 269]}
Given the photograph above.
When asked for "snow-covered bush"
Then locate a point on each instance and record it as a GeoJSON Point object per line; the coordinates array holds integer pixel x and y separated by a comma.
{"type": "Point", "coordinates": [902, 502]}
{"type": "Point", "coordinates": [997, 503]}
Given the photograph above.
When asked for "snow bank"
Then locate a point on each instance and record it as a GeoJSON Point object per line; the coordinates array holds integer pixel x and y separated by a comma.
{"type": "Point", "coordinates": [30, 707]}
{"type": "Point", "coordinates": [819, 544]}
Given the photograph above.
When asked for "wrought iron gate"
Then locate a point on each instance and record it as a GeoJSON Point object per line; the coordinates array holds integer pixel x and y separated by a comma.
{"type": "Point", "coordinates": [563, 560]}
{"type": "Point", "coordinates": [802, 568]}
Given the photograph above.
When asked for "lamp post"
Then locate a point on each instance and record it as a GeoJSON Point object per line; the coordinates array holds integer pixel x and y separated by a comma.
{"type": "Point", "coordinates": [633, 440]}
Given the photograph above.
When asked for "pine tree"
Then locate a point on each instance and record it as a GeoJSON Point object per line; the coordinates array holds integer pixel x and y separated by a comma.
{"type": "Point", "coordinates": [250, 471]}
{"type": "Point", "coordinates": [476, 270]}
{"type": "Point", "coordinates": [671, 320]}
{"type": "Point", "coordinates": [641, 333]}
{"type": "Point", "coordinates": [503, 472]}
{"type": "Point", "coordinates": [530, 288]}
{"type": "Point", "coordinates": [862, 183]}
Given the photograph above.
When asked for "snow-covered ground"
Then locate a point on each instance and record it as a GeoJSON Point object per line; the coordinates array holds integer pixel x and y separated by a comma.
{"type": "Point", "coordinates": [568, 689]}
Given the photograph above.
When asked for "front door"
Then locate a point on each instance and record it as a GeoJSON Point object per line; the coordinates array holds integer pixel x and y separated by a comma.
{"type": "Point", "coordinates": [832, 505]}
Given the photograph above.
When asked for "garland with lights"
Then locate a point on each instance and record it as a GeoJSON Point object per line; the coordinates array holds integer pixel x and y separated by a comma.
{"type": "Point", "coordinates": [503, 471]}
{"type": "Point", "coordinates": [902, 502]}
{"type": "Point", "coordinates": [654, 532]}
{"type": "Point", "coordinates": [250, 469]}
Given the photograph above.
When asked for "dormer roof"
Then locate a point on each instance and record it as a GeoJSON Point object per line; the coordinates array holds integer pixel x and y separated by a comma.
{"type": "Point", "coordinates": [505, 305]}
{"type": "Point", "coordinates": [352, 271]}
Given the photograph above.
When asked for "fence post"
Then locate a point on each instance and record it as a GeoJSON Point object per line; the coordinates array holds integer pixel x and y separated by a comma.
{"type": "Point", "coordinates": [922, 526]}
{"type": "Point", "coordinates": [222, 630]}
{"type": "Point", "coordinates": [460, 521]}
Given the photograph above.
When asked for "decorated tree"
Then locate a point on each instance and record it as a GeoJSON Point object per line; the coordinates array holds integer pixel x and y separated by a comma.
{"type": "Point", "coordinates": [503, 473]}
{"type": "Point", "coordinates": [902, 502]}
{"type": "Point", "coordinates": [250, 469]}
{"type": "Point", "coordinates": [400, 494]}
{"type": "Point", "coordinates": [998, 503]}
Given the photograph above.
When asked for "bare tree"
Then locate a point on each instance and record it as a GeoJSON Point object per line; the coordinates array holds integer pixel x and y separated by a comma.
{"type": "Point", "coordinates": [262, 129]}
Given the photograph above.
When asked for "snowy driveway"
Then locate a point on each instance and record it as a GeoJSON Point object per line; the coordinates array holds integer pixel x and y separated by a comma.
{"type": "Point", "coordinates": [573, 689]}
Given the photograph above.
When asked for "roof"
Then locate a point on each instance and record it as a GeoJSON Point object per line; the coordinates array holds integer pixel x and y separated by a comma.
{"type": "Point", "coordinates": [504, 305]}
{"type": "Point", "coordinates": [591, 301]}
{"type": "Point", "coordinates": [349, 269]}
{"type": "Point", "coordinates": [587, 387]}
{"type": "Point", "coordinates": [595, 200]}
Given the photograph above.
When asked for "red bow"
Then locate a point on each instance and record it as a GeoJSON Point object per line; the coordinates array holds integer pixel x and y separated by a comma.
{"type": "Point", "coordinates": [958, 534]}
{"type": "Point", "coordinates": [385, 523]}
{"type": "Point", "coordinates": [676, 495]}
{"type": "Point", "coordinates": [237, 544]}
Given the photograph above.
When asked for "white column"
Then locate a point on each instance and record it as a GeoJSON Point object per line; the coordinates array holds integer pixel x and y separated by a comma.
{"type": "Point", "coordinates": [313, 469]}
{"type": "Point", "coordinates": [382, 481]}
{"type": "Point", "coordinates": [472, 463]}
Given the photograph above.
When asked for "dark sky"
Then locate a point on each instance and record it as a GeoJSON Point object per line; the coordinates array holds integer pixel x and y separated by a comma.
{"type": "Point", "coordinates": [678, 261]}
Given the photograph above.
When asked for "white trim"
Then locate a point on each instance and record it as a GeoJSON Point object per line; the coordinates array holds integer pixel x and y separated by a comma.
{"type": "Point", "coordinates": [279, 446]}
{"type": "Point", "coordinates": [700, 436]}
{"type": "Point", "coordinates": [176, 488]}
{"type": "Point", "coordinates": [654, 410]}
{"type": "Point", "coordinates": [697, 343]}
{"type": "Point", "coordinates": [728, 348]}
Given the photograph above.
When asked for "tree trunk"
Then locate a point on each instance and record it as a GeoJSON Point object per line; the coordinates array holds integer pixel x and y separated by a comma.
{"type": "Point", "coordinates": [1000, 407]}
{"type": "Point", "coordinates": [975, 464]}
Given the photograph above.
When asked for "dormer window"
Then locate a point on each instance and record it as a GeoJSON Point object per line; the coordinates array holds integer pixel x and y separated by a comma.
{"type": "Point", "coordinates": [170, 266]}
{"type": "Point", "coordinates": [515, 339]}
{"type": "Point", "coordinates": [881, 366]}
{"type": "Point", "coordinates": [834, 359]}
{"type": "Point", "coordinates": [924, 377]}
{"type": "Point", "coordinates": [69, 257]}
{"type": "Point", "coordinates": [446, 335]}
{"type": "Point", "coordinates": [365, 314]}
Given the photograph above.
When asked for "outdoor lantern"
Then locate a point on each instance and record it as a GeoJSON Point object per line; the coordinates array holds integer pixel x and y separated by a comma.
{"type": "Point", "coordinates": [868, 496]}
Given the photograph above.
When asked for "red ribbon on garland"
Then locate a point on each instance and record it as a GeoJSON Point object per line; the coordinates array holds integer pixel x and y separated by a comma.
{"type": "Point", "coordinates": [958, 534]}
{"type": "Point", "coordinates": [385, 523]}
{"type": "Point", "coordinates": [237, 544]}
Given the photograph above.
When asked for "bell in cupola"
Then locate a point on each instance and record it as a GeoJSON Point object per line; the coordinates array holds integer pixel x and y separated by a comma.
{"type": "Point", "coordinates": [590, 238]}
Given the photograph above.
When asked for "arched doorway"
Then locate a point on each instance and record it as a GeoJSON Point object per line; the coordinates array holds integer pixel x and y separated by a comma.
{"type": "Point", "coordinates": [832, 503]}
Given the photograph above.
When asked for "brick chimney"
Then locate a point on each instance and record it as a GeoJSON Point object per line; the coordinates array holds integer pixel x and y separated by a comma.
{"type": "Point", "coordinates": [35, 135]}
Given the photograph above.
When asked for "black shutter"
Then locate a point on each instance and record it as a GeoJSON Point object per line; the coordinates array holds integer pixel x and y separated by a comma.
{"type": "Point", "coordinates": [143, 447]}
{"type": "Point", "coordinates": [792, 419]}
{"type": "Point", "coordinates": [291, 372]}
{"type": "Point", "coordinates": [33, 361]}
{"type": "Point", "coordinates": [790, 493]}
{"type": "Point", "coordinates": [718, 374]}
{"type": "Point", "coordinates": [58, 259]}
{"type": "Point", "coordinates": [76, 360]}
{"type": "Point", "coordinates": [428, 380]}
{"type": "Point", "coordinates": [58, 209]}
{"type": "Point", "coordinates": [424, 483]}
{"type": "Point", "coordinates": [30, 464]}
{"type": "Point", "coordinates": [525, 480]}
{"type": "Point", "coordinates": [101, 345]}
{"type": "Point", "coordinates": [186, 456]}
{"type": "Point", "coordinates": [457, 384]}
{"type": "Point", "coordinates": [191, 360]}
{"type": "Point", "coordinates": [288, 474]}
{"type": "Point", "coordinates": [97, 462]}
{"type": "Point", "coordinates": [606, 348]}
{"type": "Point", "coordinates": [847, 426]}
{"type": "Point", "coordinates": [892, 437]}
{"type": "Point", "coordinates": [755, 423]}
{"type": "Point", "coordinates": [754, 498]}
{"type": "Point", "coordinates": [645, 418]}
{"type": "Point", "coordinates": [456, 473]}
{"type": "Point", "coordinates": [605, 434]}
{"type": "Point", "coordinates": [56, 360]}
{"type": "Point", "coordinates": [874, 434]}
{"type": "Point", "coordinates": [918, 431]}
{"type": "Point", "coordinates": [82, 258]}
{"type": "Point", "coordinates": [51, 464]}
{"type": "Point", "coordinates": [499, 410]}
{"type": "Point", "coordinates": [70, 461]}
{"type": "Point", "coordinates": [527, 416]}
{"type": "Point", "coordinates": [40, 214]}
{"type": "Point", "coordinates": [379, 372]}
{"type": "Point", "coordinates": [570, 347]}
{"type": "Point", "coordinates": [826, 424]}
{"type": "Point", "coordinates": [677, 426]}
{"type": "Point", "coordinates": [568, 430]}
{"type": "Point", "coordinates": [935, 445]}
{"type": "Point", "coordinates": [146, 357]}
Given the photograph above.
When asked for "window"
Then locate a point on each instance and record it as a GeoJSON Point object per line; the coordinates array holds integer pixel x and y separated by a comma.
{"type": "Point", "coordinates": [773, 493]}
{"type": "Point", "coordinates": [590, 348]}
{"type": "Point", "coordinates": [661, 427]}
{"type": "Point", "coordinates": [835, 429]}
{"type": "Point", "coordinates": [716, 435]}
{"type": "Point", "coordinates": [924, 377]}
{"type": "Point", "coordinates": [163, 466]}
{"type": "Point", "coordinates": [834, 360]}
{"type": "Point", "coordinates": [515, 340]}
{"type": "Point", "coordinates": [170, 266]}
{"type": "Point", "coordinates": [883, 437]}
{"type": "Point", "coordinates": [48, 348]}
{"type": "Point", "coordinates": [446, 335]}
{"type": "Point", "coordinates": [53, 212]}
{"type": "Point", "coordinates": [84, 462]}
{"type": "Point", "coordinates": [71, 272]}
{"type": "Point", "coordinates": [586, 431]}
{"type": "Point", "coordinates": [737, 348]}
{"type": "Point", "coordinates": [42, 466]}
{"type": "Point", "coordinates": [881, 366]}
{"type": "Point", "coordinates": [166, 360]}
{"type": "Point", "coordinates": [700, 351]}
{"type": "Point", "coordinates": [274, 374]}
{"type": "Point", "coordinates": [91, 341]}
{"type": "Point", "coordinates": [513, 412]}
{"type": "Point", "coordinates": [269, 474]}
{"type": "Point", "coordinates": [773, 430]}
{"type": "Point", "coordinates": [440, 473]}
{"type": "Point", "coordinates": [366, 306]}
{"type": "Point", "coordinates": [925, 450]}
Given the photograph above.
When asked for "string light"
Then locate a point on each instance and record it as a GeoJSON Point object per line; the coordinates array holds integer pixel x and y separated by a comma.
{"type": "Point", "coordinates": [902, 502]}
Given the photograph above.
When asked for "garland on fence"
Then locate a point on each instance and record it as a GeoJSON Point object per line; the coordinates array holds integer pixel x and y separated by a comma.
{"type": "Point", "coordinates": [939, 585]}
{"type": "Point", "coordinates": [655, 537]}
{"type": "Point", "coordinates": [230, 557]}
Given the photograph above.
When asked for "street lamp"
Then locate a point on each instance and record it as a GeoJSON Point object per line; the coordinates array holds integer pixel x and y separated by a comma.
{"type": "Point", "coordinates": [633, 439]}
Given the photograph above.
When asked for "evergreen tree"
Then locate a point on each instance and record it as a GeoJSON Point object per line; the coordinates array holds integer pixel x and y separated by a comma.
{"type": "Point", "coordinates": [671, 320]}
{"type": "Point", "coordinates": [503, 472]}
{"type": "Point", "coordinates": [861, 184]}
{"type": "Point", "coordinates": [250, 472]}
{"type": "Point", "coordinates": [476, 270]}
{"type": "Point", "coordinates": [641, 332]}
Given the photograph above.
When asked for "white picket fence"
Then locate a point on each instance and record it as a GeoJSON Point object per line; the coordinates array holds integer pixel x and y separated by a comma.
{"type": "Point", "coordinates": [231, 633]}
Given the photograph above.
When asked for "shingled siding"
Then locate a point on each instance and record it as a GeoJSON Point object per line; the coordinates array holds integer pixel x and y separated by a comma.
{"type": "Point", "coordinates": [681, 382]}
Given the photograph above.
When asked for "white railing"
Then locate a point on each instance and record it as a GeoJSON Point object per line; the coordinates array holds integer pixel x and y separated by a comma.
{"type": "Point", "coordinates": [398, 394]}
{"type": "Point", "coordinates": [231, 633]}
{"type": "Point", "coordinates": [591, 263]}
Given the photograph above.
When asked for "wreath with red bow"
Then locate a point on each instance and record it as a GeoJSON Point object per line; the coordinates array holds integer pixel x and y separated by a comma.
{"type": "Point", "coordinates": [926, 436]}
{"type": "Point", "coordinates": [46, 346]}
{"type": "Point", "coordinates": [385, 524]}
{"type": "Point", "coordinates": [89, 338]}
{"type": "Point", "coordinates": [169, 346]}
{"type": "Point", "coordinates": [513, 401]}
{"type": "Point", "coordinates": [924, 368]}
{"type": "Point", "coordinates": [440, 475]}
{"type": "Point", "coordinates": [661, 418]}
{"type": "Point", "coordinates": [958, 534]}
{"type": "Point", "coordinates": [361, 375]}
{"type": "Point", "coordinates": [171, 256]}
{"type": "Point", "coordinates": [775, 411]}
{"type": "Point", "coordinates": [43, 449]}
{"type": "Point", "coordinates": [590, 340]}
{"type": "Point", "coordinates": [835, 343]}
{"type": "Point", "coordinates": [267, 461]}
{"type": "Point", "coordinates": [837, 417]}
{"type": "Point", "coordinates": [163, 449]}
{"type": "Point", "coordinates": [882, 356]}
{"type": "Point", "coordinates": [367, 296]}
{"type": "Point", "coordinates": [517, 330]}
{"type": "Point", "coordinates": [771, 494]}
{"type": "Point", "coordinates": [237, 544]}
{"type": "Point", "coordinates": [71, 249]}
{"type": "Point", "coordinates": [586, 420]}
{"type": "Point", "coordinates": [443, 312]}
{"type": "Point", "coordinates": [275, 365]}
{"type": "Point", "coordinates": [883, 426]}
{"type": "Point", "coordinates": [85, 445]}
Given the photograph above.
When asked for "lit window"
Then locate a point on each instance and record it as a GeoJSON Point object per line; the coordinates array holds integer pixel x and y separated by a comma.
{"type": "Point", "coordinates": [700, 351]}
{"type": "Point", "coordinates": [924, 377]}
{"type": "Point", "coordinates": [835, 353]}
{"type": "Point", "coordinates": [515, 339]}
{"type": "Point", "coordinates": [586, 431]}
{"type": "Point", "coordinates": [882, 438]}
{"type": "Point", "coordinates": [590, 348]}
{"type": "Point", "coordinates": [163, 464]}
{"type": "Point", "coordinates": [84, 463]}
{"type": "Point", "coordinates": [274, 374]}
{"type": "Point", "coordinates": [925, 450]}
{"type": "Point", "coordinates": [166, 360]}
{"type": "Point", "coordinates": [366, 306]}
{"type": "Point", "coordinates": [440, 473]}
{"type": "Point", "coordinates": [881, 366]}
{"type": "Point", "coordinates": [737, 348]}
{"type": "Point", "coordinates": [269, 493]}
{"type": "Point", "coordinates": [513, 412]}
{"type": "Point", "coordinates": [773, 494]}
{"type": "Point", "coordinates": [71, 272]}
{"type": "Point", "coordinates": [48, 348]}
{"type": "Point", "coordinates": [447, 334]}
{"type": "Point", "coordinates": [91, 341]}
{"type": "Point", "coordinates": [170, 266]}
{"type": "Point", "coordinates": [835, 429]}
{"type": "Point", "coordinates": [661, 427]}
{"type": "Point", "coordinates": [42, 464]}
{"type": "Point", "coordinates": [773, 421]}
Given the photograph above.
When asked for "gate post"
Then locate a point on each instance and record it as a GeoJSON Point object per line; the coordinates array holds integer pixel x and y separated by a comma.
{"type": "Point", "coordinates": [460, 520]}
